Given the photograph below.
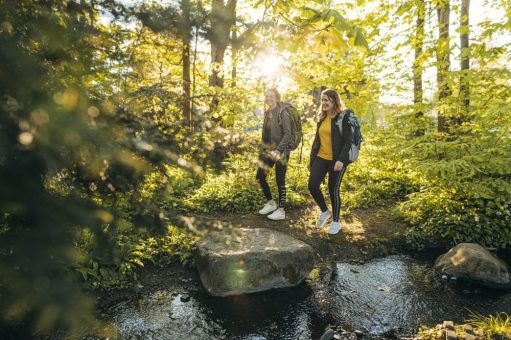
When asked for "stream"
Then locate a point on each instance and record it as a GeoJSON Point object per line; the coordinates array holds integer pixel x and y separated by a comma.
{"type": "Point", "coordinates": [384, 297]}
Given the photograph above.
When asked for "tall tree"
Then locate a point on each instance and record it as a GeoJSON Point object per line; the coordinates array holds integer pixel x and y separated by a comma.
{"type": "Point", "coordinates": [186, 38]}
{"type": "Point", "coordinates": [223, 17]}
{"type": "Point", "coordinates": [465, 57]}
{"type": "Point", "coordinates": [179, 23]}
{"type": "Point", "coordinates": [418, 44]}
{"type": "Point", "coordinates": [234, 56]}
{"type": "Point", "coordinates": [443, 63]}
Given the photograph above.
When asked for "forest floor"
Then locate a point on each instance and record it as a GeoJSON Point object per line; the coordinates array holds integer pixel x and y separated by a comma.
{"type": "Point", "coordinates": [366, 233]}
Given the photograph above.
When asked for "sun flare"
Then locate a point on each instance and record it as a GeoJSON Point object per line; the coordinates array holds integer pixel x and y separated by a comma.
{"type": "Point", "coordinates": [271, 69]}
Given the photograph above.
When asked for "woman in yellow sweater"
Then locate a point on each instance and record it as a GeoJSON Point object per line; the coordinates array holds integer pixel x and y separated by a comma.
{"type": "Point", "coordinates": [330, 154]}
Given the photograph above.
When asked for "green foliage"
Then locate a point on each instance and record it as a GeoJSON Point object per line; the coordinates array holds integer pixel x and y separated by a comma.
{"type": "Point", "coordinates": [236, 189]}
{"type": "Point", "coordinates": [442, 214]}
{"type": "Point", "coordinates": [168, 186]}
{"type": "Point", "coordinates": [132, 250]}
{"type": "Point", "coordinates": [465, 191]}
{"type": "Point", "coordinates": [69, 160]}
{"type": "Point", "coordinates": [96, 157]}
{"type": "Point", "coordinates": [232, 191]}
{"type": "Point", "coordinates": [380, 176]}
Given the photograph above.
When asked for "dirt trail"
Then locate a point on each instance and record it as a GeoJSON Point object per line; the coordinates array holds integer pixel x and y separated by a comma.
{"type": "Point", "coordinates": [366, 233]}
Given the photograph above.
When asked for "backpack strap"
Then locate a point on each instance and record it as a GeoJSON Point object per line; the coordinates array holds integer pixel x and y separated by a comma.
{"type": "Point", "coordinates": [301, 149]}
{"type": "Point", "coordinates": [283, 106]}
{"type": "Point", "coordinates": [340, 120]}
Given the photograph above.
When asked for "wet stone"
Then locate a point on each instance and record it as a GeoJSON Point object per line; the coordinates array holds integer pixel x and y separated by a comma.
{"type": "Point", "coordinates": [472, 262]}
{"type": "Point", "coordinates": [449, 325]}
{"type": "Point", "coordinates": [185, 298]}
{"type": "Point", "coordinates": [450, 335]}
{"type": "Point", "coordinates": [466, 336]}
{"type": "Point", "coordinates": [244, 260]}
{"type": "Point", "coordinates": [468, 328]}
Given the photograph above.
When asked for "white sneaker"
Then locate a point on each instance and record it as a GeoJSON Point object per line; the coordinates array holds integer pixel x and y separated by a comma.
{"type": "Point", "coordinates": [278, 214]}
{"type": "Point", "coordinates": [335, 227]}
{"type": "Point", "coordinates": [268, 207]}
{"type": "Point", "coordinates": [325, 215]}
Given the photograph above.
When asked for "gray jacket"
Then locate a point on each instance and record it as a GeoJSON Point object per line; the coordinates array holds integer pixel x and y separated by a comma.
{"type": "Point", "coordinates": [280, 128]}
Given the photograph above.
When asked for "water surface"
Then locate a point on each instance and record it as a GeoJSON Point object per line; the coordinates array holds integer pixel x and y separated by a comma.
{"type": "Point", "coordinates": [394, 294]}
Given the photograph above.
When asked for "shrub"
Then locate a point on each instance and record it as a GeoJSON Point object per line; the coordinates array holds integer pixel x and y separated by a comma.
{"type": "Point", "coordinates": [236, 189]}
{"type": "Point", "coordinates": [380, 176]}
{"type": "Point", "coordinates": [444, 214]}
{"type": "Point", "coordinates": [132, 251]}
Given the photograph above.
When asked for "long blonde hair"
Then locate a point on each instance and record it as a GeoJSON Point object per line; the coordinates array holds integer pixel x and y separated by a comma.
{"type": "Point", "coordinates": [334, 96]}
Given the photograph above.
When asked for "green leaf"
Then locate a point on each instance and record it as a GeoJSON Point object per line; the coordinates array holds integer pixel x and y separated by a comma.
{"type": "Point", "coordinates": [358, 39]}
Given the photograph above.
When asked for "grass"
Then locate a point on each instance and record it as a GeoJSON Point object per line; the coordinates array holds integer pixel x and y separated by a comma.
{"type": "Point", "coordinates": [498, 324]}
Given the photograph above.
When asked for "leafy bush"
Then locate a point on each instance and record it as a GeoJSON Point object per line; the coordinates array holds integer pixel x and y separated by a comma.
{"type": "Point", "coordinates": [466, 188]}
{"type": "Point", "coordinates": [380, 176]}
{"type": "Point", "coordinates": [443, 214]}
{"type": "Point", "coordinates": [237, 190]}
{"type": "Point", "coordinates": [168, 186]}
{"type": "Point", "coordinates": [131, 251]}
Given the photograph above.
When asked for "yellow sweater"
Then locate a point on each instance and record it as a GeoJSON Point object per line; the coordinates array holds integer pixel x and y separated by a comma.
{"type": "Point", "coordinates": [325, 139]}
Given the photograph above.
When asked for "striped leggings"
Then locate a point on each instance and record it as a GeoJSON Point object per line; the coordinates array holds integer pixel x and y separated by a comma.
{"type": "Point", "coordinates": [280, 176]}
{"type": "Point", "coordinates": [319, 168]}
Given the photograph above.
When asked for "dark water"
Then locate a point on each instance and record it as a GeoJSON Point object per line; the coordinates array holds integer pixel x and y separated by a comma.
{"type": "Point", "coordinates": [378, 297]}
{"type": "Point", "coordinates": [401, 292]}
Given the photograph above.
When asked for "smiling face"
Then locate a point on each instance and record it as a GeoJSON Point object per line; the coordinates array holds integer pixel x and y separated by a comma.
{"type": "Point", "coordinates": [327, 103]}
{"type": "Point", "coordinates": [270, 99]}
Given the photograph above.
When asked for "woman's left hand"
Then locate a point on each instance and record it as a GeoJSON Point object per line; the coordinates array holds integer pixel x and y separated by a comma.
{"type": "Point", "coordinates": [275, 154]}
{"type": "Point", "coordinates": [338, 166]}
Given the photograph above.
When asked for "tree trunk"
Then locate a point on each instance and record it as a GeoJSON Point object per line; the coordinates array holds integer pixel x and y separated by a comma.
{"type": "Point", "coordinates": [234, 61]}
{"type": "Point", "coordinates": [465, 58]}
{"type": "Point", "coordinates": [194, 68]}
{"type": "Point", "coordinates": [418, 44]}
{"type": "Point", "coordinates": [222, 18]}
{"type": "Point", "coordinates": [443, 64]}
{"type": "Point", "coordinates": [186, 38]}
{"type": "Point", "coordinates": [417, 64]}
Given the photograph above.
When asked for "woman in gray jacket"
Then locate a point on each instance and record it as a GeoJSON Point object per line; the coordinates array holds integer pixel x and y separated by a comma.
{"type": "Point", "coordinates": [276, 136]}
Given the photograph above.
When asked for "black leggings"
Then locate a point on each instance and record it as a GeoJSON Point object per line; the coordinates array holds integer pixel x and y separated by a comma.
{"type": "Point", "coordinates": [280, 175]}
{"type": "Point", "coordinates": [319, 168]}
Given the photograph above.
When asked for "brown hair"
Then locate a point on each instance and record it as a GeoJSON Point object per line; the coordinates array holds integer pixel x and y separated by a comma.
{"type": "Point", "coordinates": [334, 96]}
{"type": "Point", "coordinates": [275, 91]}
{"type": "Point", "coordinates": [277, 95]}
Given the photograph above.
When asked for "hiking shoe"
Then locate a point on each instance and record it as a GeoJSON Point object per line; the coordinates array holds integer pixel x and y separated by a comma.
{"type": "Point", "coordinates": [335, 227]}
{"type": "Point", "coordinates": [278, 214]}
{"type": "Point", "coordinates": [268, 207]}
{"type": "Point", "coordinates": [325, 215]}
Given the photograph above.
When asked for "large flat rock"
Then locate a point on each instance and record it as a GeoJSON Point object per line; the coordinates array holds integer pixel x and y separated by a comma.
{"type": "Point", "coordinates": [251, 260]}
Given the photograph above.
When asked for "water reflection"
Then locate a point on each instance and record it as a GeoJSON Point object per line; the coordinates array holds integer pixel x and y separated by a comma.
{"type": "Point", "coordinates": [397, 292]}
